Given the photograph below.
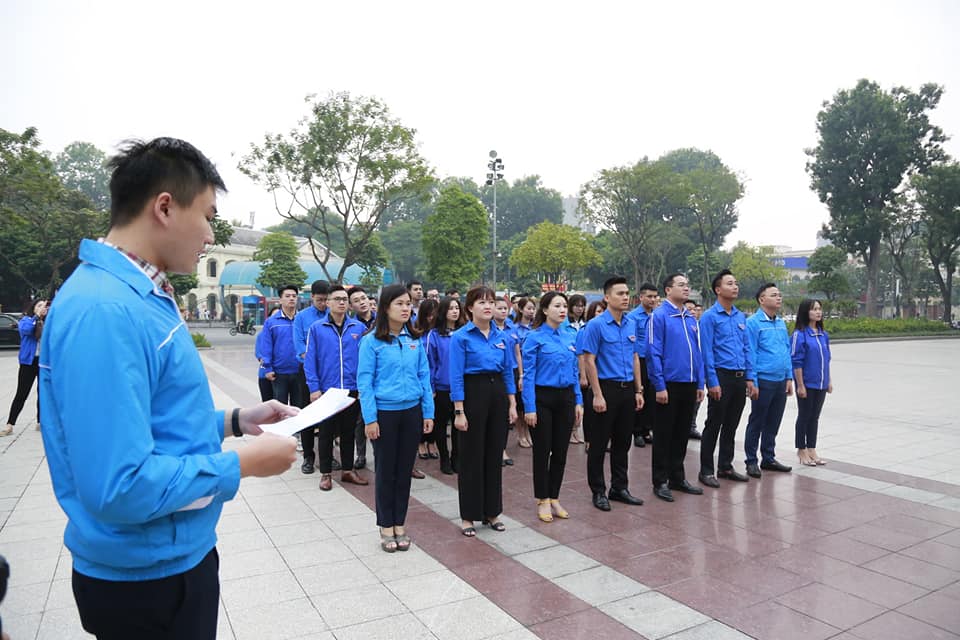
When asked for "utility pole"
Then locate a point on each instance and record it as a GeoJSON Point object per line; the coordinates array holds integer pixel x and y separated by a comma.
{"type": "Point", "coordinates": [493, 177]}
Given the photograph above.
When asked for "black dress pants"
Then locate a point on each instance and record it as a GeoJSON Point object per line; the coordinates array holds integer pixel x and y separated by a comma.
{"type": "Point", "coordinates": [480, 447]}
{"type": "Point", "coordinates": [25, 378]}
{"type": "Point", "coordinates": [443, 413]}
{"type": "Point", "coordinates": [551, 439]}
{"type": "Point", "coordinates": [179, 607]}
{"type": "Point", "coordinates": [341, 425]}
{"type": "Point", "coordinates": [723, 418]}
{"type": "Point", "coordinates": [671, 432]}
{"type": "Point", "coordinates": [643, 419]}
{"type": "Point", "coordinates": [393, 455]}
{"type": "Point", "coordinates": [615, 426]}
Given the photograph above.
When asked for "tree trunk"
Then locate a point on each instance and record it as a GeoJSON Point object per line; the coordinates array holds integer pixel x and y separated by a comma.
{"type": "Point", "coordinates": [948, 293]}
{"type": "Point", "coordinates": [873, 279]}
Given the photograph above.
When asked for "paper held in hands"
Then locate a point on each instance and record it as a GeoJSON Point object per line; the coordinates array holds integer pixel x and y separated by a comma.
{"type": "Point", "coordinates": [329, 404]}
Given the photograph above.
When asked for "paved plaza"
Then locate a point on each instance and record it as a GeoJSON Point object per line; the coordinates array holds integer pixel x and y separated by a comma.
{"type": "Point", "coordinates": [866, 547]}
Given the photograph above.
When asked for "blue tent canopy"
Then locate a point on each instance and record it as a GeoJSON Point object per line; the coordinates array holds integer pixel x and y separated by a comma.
{"type": "Point", "coordinates": [245, 274]}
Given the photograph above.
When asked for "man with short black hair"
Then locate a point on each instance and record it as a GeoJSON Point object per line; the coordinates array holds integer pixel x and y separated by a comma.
{"type": "Point", "coordinates": [415, 289]}
{"type": "Point", "coordinates": [675, 366]}
{"type": "Point", "coordinates": [726, 364]}
{"type": "Point", "coordinates": [613, 371]}
{"type": "Point", "coordinates": [279, 359]}
{"type": "Point", "coordinates": [452, 293]}
{"type": "Point", "coordinates": [316, 312]}
{"type": "Point", "coordinates": [692, 307]}
{"type": "Point", "coordinates": [643, 420]}
{"type": "Point", "coordinates": [363, 311]}
{"type": "Point", "coordinates": [433, 294]}
{"type": "Point", "coordinates": [131, 436]}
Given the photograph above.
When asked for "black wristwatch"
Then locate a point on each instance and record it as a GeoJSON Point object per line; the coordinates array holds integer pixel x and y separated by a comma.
{"type": "Point", "coordinates": [458, 412]}
{"type": "Point", "coordinates": [235, 423]}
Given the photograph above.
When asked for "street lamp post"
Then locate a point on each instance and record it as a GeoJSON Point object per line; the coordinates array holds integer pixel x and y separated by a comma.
{"type": "Point", "coordinates": [493, 177]}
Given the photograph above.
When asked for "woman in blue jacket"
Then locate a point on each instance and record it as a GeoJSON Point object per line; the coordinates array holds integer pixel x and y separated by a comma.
{"type": "Point", "coordinates": [449, 319]}
{"type": "Point", "coordinates": [30, 327]}
{"type": "Point", "coordinates": [552, 399]}
{"type": "Point", "coordinates": [396, 399]}
{"type": "Point", "coordinates": [810, 353]}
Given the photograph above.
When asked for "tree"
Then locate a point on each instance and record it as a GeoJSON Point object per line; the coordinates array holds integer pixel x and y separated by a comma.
{"type": "Point", "coordinates": [41, 221]}
{"type": "Point", "coordinates": [712, 206]}
{"type": "Point", "coordinates": [870, 142]}
{"type": "Point", "coordinates": [826, 266]}
{"type": "Point", "coordinates": [183, 283]}
{"type": "Point", "coordinates": [554, 250]}
{"type": "Point", "coordinates": [902, 243]}
{"type": "Point", "coordinates": [938, 194]}
{"type": "Point", "coordinates": [277, 254]}
{"type": "Point", "coordinates": [339, 171]}
{"type": "Point", "coordinates": [519, 205]}
{"type": "Point", "coordinates": [404, 244]}
{"type": "Point", "coordinates": [754, 266]}
{"type": "Point", "coordinates": [82, 166]}
{"type": "Point", "coordinates": [633, 202]}
{"type": "Point", "coordinates": [454, 237]}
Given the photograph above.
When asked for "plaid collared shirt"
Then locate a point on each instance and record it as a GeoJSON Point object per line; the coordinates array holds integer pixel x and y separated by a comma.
{"type": "Point", "coordinates": [158, 277]}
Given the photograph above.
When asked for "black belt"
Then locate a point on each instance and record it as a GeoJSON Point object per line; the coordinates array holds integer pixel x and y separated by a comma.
{"type": "Point", "coordinates": [736, 373]}
{"type": "Point", "coordinates": [623, 384]}
{"type": "Point", "coordinates": [486, 375]}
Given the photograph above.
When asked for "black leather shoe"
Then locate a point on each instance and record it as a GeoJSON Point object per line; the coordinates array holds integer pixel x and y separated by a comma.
{"type": "Point", "coordinates": [307, 467]}
{"type": "Point", "coordinates": [686, 487]}
{"type": "Point", "coordinates": [335, 465]}
{"type": "Point", "coordinates": [639, 442]}
{"type": "Point", "coordinates": [775, 465]}
{"type": "Point", "coordinates": [662, 491]}
{"type": "Point", "coordinates": [648, 438]}
{"type": "Point", "coordinates": [600, 502]}
{"type": "Point", "coordinates": [446, 469]}
{"type": "Point", "coordinates": [709, 480]}
{"type": "Point", "coordinates": [622, 495]}
{"type": "Point", "coordinates": [360, 463]}
{"type": "Point", "coordinates": [694, 434]}
{"type": "Point", "coordinates": [753, 471]}
{"type": "Point", "coordinates": [731, 474]}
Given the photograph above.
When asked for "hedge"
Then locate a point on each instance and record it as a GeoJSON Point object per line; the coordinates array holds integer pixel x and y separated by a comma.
{"type": "Point", "coordinates": [867, 327]}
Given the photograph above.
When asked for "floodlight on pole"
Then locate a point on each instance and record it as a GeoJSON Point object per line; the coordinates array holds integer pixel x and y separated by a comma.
{"type": "Point", "coordinates": [496, 167]}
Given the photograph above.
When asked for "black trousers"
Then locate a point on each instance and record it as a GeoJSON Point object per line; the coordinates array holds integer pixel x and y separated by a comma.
{"type": "Point", "coordinates": [480, 471]}
{"type": "Point", "coordinates": [643, 419]}
{"type": "Point", "coordinates": [671, 432]}
{"type": "Point", "coordinates": [551, 439]}
{"type": "Point", "coordinates": [723, 418]}
{"type": "Point", "coordinates": [808, 418]}
{"type": "Point", "coordinates": [443, 413]}
{"type": "Point", "coordinates": [180, 607]}
{"type": "Point", "coordinates": [25, 377]}
{"type": "Point", "coordinates": [302, 399]}
{"type": "Point", "coordinates": [615, 426]}
{"type": "Point", "coordinates": [342, 426]}
{"type": "Point", "coordinates": [589, 416]}
{"type": "Point", "coordinates": [394, 452]}
{"type": "Point", "coordinates": [266, 389]}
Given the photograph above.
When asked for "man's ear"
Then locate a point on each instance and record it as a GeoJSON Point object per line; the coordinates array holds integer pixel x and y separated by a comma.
{"type": "Point", "coordinates": [160, 209]}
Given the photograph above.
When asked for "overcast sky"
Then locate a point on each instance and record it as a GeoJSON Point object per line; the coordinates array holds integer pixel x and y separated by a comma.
{"type": "Point", "coordinates": [559, 89]}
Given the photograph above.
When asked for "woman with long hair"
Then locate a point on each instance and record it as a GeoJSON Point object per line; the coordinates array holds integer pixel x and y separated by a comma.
{"type": "Point", "coordinates": [577, 312]}
{"type": "Point", "coordinates": [424, 322]}
{"type": "Point", "coordinates": [551, 398]}
{"type": "Point", "coordinates": [449, 319]}
{"type": "Point", "coordinates": [810, 355]}
{"type": "Point", "coordinates": [483, 394]}
{"type": "Point", "coordinates": [396, 400]}
{"type": "Point", "coordinates": [30, 328]}
{"type": "Point", "coordinates": [523, 324]}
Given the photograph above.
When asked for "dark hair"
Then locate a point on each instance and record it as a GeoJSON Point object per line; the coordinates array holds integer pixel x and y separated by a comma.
{"type": "Point", "coordinates": [610, 282]}
{"type": "Point", "coordinates": [717, 279]}
{"type": "Point", "coordinates": [450, 292]}
{"type": "Point", "coordinates": [413, 282]}
{"type": "Point", "coordinates": [320, 288]}
{"type": "Point", "coordinates": [142, 170]}
{"type": "Point", "coordinates": [592, 309]}
{"type": "Point", "coordinates": [542, 305]}
{"type": "Point", "coordinates": [381, 329]}
{"type": "Point", "coordinates": [690, 301]}
{"type": "Point", "coordinates": [576, 299]}
{"type": "Point", "coordinates": [764, 287]}
{"type": "Point", "coordinates": [286, 287]}
{"type": "Point", "coordinates": [478, 293]}
{"type": "Point", "coordinates": [338, 287]}
{"type": "Point", "coordinates": [803, 314]}
{"type": "Point", "coordinates": [668, 281]}
{"type": "Point", "coordinates": [646, 286]}
{"type": "Point", "coordinates": [355, 289]}
{"type": "Point", "coordinates": [426, 314]}
{"type": "Point", "coordinates": [440, 323]}
{"type": "Point", "coordinates": [521, 304]}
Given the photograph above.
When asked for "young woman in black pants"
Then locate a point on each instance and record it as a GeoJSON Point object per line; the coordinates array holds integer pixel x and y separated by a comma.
{"type": "Point", "coordinates": [449, 319]}
{"type": "Point", "coordinates": [30, 328]}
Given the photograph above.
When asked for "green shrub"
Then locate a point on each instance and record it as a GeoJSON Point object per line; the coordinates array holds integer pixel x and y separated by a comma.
{"type": "Point", "coordinates": [867, 327]}
{"type": "Point", "coordinates": [200, 340]}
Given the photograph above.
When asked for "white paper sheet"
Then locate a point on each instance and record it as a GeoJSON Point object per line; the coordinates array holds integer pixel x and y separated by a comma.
{"type": "Point", "coordinates": [329, 404]}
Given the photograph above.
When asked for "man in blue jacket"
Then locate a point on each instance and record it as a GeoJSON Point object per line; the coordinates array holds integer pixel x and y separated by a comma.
{"type": "Point", "coordinates": [643, 419]}
{"type": "Point", "coordinates": [279, 357]}
{"type": "Point", "coordinates": [330, 362]}
{"type": "Point", "coordinates": [675, 366]}
{"type": "Point", "coordinates": [132, 439]}
{"type": "Point", "coordinates": [770, 362]}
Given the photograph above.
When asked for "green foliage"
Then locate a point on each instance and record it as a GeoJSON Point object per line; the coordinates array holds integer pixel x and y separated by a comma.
{"type": "Point", "coordinates": [870, 140]}
{"type": "Point", "coordinates": [183, 283]}
{"type": "Point", "coordinates": [403, 242]}
{"type": "Point", "coordinates": [277, 254]}
{"type": "Point", "coordinates": [520, 205]}
{"type": "Point", "coordinates": [874, 327]}
{"type": "Point", "coordinates": [454, 237]}
{"type": "Point", "coordinates": [938, 195]}
{"type": "Point", "coordinates": [41, 221]}
{"type": "Point", "coordinates": [554, 250]}
{"type": "Point", "coordinates": [338, 172]}
{"type": "Point", "coordinates": [200, 340]}
{"type": "Point", "coordinates": [82, 167]}
{"type": "Point", "coordinates": [222, 231]}
{"type": "Point", "coordinates": [714, 262]}
{"type": "Point", "coordinates": [825, 266]}
{"type": "Point", "coordinates": [754, 266]}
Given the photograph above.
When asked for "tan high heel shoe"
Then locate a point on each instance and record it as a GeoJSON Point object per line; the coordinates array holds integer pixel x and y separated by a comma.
{"type": "Point", "coordinates": [544, 517]}
{"type": "Point", "coordinates": [557, 510]}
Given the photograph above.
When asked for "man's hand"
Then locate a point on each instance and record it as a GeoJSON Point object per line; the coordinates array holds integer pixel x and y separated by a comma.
{"type": "Point", "coordinates": [578, 415]}
{"type": "Point", "coordinates": [512, 413]}
{"type": "Point", "coordinates": [715, 392]}
{"type": "Point", "coordinates": [264, 413]}
{"type": "Point", "coordinates": [271, 376]}
{"type": "Point", "coordinates": [531, 419]}
{"type": "Point", "coordinates": [830, 388]}
{"type": "Point", "coordinates": [700, 394]}
{"type": "Point", "coordinates": [460, 422]}
{"type": "Point", "coordinates": [314, 395]}
{"type": "Point", "coordinates": [753, 390]}
{"type": "Point", "coordinates": [789, 387]}
{"type": "Point", "coordinates": [372, 430]}
{"type": "Point", "coordinates": [662, 397]}
{"type": "Point", "coordinates": [427, 425]}
{"type": "Point", "coordinates": [599, 403]}
{"type": "Point", "coordinates": [801, 391]}
{"type": "Point", "coordinates": [270, 454]}
{"type": "Point", "coordinates": [639, 397]}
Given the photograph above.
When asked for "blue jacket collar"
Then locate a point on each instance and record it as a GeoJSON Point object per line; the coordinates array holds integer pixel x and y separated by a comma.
{"type": "Point", "coordinates": [123, 268]}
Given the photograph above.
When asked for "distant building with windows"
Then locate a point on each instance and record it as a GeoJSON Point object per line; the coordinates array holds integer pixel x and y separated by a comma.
{"type": "Point", "coordinates": [572, 218]}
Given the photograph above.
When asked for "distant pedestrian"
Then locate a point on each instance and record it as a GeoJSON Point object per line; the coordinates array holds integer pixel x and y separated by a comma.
{"type": "Point", "coordinates": [30, 328]}
{"type": "Point", "coordinates": [810, 355]}
{"type": "Point", "coordinates": [265, 385]}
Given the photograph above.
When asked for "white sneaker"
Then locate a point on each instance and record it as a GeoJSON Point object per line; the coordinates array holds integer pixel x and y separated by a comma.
{"type": "Point", "coordinates": [7, 430]}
